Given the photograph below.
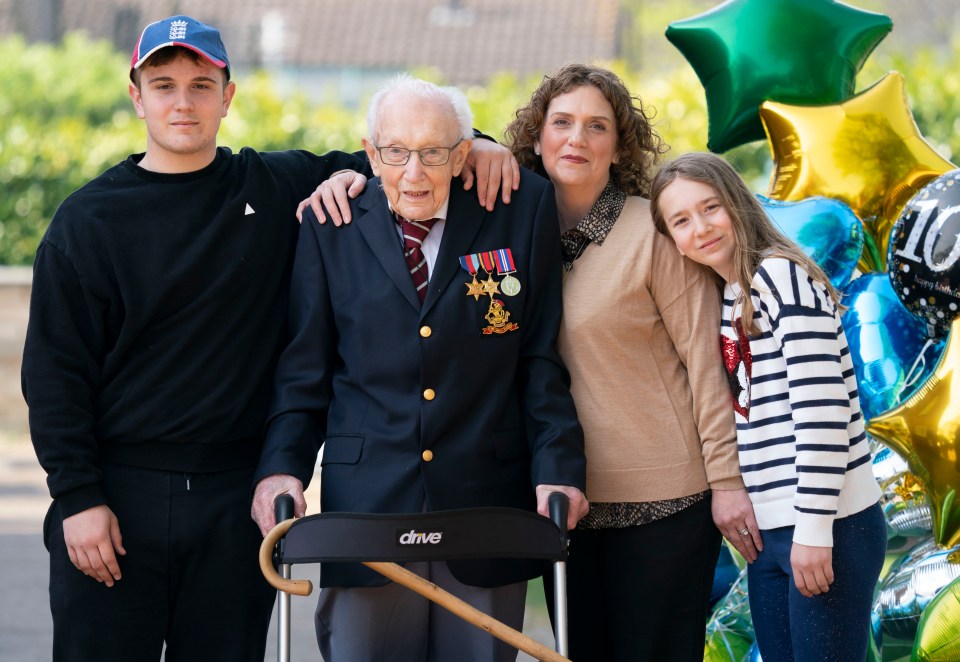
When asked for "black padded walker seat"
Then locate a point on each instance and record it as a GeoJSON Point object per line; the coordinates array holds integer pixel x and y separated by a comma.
{"type": "Point", "coordinates": [381, 541]}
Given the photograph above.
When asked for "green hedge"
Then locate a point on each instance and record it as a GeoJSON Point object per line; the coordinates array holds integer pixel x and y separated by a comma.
{"type": "Point", "coordinates": [63, 124]}
{"type": "Point", "coordinates": [67, 117]}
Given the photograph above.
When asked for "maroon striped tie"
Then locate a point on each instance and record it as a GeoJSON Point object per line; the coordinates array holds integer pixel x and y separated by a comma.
{"type": "Point", "coordinates": [414, 232]}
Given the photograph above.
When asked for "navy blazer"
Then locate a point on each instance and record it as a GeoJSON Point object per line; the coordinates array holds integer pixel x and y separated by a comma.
{"type": "Point", "coordinates": [378, 380]}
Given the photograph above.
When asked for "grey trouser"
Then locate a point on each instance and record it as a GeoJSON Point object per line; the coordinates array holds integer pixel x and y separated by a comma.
{"type": "Point", "coordinates": [392, 623]}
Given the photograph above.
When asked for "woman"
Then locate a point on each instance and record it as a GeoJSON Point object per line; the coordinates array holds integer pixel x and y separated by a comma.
{"type": "Point", "coordinates": [638, 337]}
{"type": "Point", "coordinates": [802, 442]}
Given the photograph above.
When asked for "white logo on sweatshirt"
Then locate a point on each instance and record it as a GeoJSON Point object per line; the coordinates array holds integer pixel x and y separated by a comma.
{"type": "Point", "coordinates": [248, 210]}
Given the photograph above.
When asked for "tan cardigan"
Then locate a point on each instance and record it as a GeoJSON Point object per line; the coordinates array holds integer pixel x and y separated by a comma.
{"type": "Point", "coordinates": [641, 338]}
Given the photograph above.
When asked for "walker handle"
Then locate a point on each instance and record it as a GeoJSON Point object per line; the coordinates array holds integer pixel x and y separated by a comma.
{"type": "Point", "coordinates": [283, 507]}
{"type": "Point", "coordinates": [558, 504]}
{"type": "Point", "coordinates": [282, 510]}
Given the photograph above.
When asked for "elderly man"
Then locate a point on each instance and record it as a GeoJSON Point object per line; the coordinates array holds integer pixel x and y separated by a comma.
{"type": "Point", "coordinates": [422, 359]}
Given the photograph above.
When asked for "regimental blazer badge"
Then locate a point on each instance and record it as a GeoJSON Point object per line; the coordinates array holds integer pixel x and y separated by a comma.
{"type": "Point", "coordinates": [738, 362]}
{"type": "Point", "coordinates": [501, 262]}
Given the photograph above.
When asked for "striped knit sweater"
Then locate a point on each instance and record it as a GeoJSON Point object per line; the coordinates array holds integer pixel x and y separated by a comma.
{"type": "Point", "coordinates": [800, 434]}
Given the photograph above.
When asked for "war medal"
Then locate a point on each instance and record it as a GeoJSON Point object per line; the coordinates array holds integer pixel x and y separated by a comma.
{"type": "Point", "coordinates": [497, 316]}
{"type": "Point", "coordinates": [490, 286]}
{"type": "Point", "coordinates": [489, 263]}
{"type": "Point", "coordinates": [470, 263]}
{"type": "Point", "coordinates": [509, 285]}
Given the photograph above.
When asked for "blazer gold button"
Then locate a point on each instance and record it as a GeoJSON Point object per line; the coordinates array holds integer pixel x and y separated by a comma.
{"type": "Point", "coordinates": [429, 394]}
{"type": "Point", "coordinates": [427, 456]}
{"type": "Point", "coordinates": [425, 331]}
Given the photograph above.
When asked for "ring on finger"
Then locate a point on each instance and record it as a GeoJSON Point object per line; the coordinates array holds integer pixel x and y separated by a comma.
{"type": "Point", "coordinates": [744, 531]}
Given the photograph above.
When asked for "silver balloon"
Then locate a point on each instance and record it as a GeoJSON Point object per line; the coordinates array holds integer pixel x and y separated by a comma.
{"type": "Point", "coordinates": [914, 555]}
{"type": "Point", "coordinates": [911, 585]}
{"type": "Point", "coordinates": [875, 644]}
{"type": "Point", "coordinates": [887, 465]}
{"type": "Point", "coordinates": [907, 517]}
{"type": "Point", "coordinates": [904, 503]}
{"type": "Point", "coordinates": [733, 611]}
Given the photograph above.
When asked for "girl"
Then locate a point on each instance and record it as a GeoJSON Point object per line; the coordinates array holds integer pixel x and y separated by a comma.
{"type": "Point", "coordinates": [802, 447]}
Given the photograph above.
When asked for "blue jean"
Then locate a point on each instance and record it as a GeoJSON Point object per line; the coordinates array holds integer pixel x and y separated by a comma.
{"type": "Point", "coordinates": [830, 627]}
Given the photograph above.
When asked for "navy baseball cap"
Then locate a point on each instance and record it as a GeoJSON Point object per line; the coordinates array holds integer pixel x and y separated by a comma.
{"type": "Point", "coordinates": [181, 31]}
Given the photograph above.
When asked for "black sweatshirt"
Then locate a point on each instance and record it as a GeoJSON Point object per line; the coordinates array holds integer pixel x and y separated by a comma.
{"type": "Point", "coordinates": [156, 316]}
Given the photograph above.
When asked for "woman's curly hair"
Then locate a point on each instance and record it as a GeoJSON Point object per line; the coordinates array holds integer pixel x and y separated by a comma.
{"type": "Point", "coordinates": [638, 146]}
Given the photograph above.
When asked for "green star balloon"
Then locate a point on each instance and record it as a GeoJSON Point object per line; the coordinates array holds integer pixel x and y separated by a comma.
{"type": "Point", "coordinates": [801, 52]}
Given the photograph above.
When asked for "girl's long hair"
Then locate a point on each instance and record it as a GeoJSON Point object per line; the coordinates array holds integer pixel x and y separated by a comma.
{"type": "Point", "coordinates": [757, 237]}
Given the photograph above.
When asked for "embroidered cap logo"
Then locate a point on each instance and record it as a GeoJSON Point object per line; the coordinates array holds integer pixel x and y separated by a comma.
{"type": "Point", "coordinates": [178, 30]}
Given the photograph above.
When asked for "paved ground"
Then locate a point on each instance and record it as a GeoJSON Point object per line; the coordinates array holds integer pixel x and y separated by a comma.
{"type": "Point", "coordinates": [25, 626]}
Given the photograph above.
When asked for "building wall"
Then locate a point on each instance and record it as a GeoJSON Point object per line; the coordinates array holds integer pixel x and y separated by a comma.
{"type": "Point", "coordinates": [15, 285]}
{"type": "Point", "coordinates": [467, 41]}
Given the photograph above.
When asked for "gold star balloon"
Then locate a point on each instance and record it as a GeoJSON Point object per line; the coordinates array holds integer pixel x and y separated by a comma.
{"type": "Point", "coordinates": [794, 51]}
{"type": "Point", "coordinates": [866, 152]}
{"type": "Point", "coordinates": [925, 431]}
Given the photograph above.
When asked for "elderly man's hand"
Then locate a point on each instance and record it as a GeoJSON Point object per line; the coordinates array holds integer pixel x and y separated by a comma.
{"type": "Point", "coordinates": [493, 166]}
{"type": "Point", "coordinates": [268, 489]}
{"type": "Point", "coordinates": [577, 500]}
{"type": "Point", "coordinates": [335, 194]}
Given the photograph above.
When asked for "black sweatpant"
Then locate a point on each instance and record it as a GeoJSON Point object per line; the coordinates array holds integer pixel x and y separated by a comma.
{"type": "Point", "coordinates": [190, 577]}
{"type": "Point", "coordinates": [641, 593]}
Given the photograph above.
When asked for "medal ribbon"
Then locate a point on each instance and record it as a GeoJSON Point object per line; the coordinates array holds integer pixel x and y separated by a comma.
{"type": "Point", "coordinates": [504, 258]}
{"type": "Point", "coordinates": [470, 263]}
{"type": "Point", "coordinates": [487, 261]}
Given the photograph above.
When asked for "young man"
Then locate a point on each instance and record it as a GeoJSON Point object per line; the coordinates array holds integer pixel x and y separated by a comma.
{"type": "Point", "coordinates": [158, 302]}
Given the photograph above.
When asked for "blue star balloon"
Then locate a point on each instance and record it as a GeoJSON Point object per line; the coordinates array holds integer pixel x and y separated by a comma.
{"type": "Point", "coordinates": [826, 229]}
{"type": "Point", "coordinates": [801, 52]}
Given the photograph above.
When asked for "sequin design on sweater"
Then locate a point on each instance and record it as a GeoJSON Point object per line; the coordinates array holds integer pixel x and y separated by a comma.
{"type": "Point", "coordinates": [738, 363]}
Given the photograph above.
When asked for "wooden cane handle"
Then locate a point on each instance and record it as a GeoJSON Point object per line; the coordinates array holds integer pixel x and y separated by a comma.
{"type": "Point", "coordinates": [294, 586]}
